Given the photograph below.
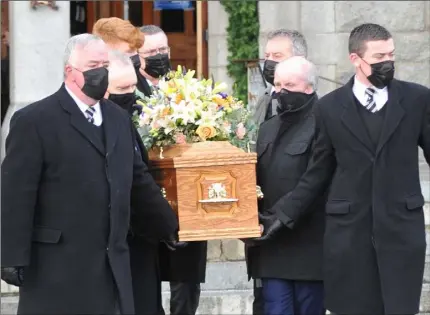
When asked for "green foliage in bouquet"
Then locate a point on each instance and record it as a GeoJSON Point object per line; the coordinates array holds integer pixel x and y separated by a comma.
{"type": "Point", "coordinates": [242, 40]}
{"type": "Point", "coordinates": [186, 110]}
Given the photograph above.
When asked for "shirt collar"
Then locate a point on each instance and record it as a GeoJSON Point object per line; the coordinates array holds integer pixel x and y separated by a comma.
{"type": "Point", "coordinates": [82, 106]}
{"type": "Point", "coordinates": [359, 88]}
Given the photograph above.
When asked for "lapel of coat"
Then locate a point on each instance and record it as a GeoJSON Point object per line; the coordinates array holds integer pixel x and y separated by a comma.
{"type": "Point", "coordinates": [78, 120]}
{"type": "Point", "coordinates": [110, 124]}
{"type": "Point", "coordinates": [261, 106]}
{"type": "Point", "coordinates": [351, 117]}
{"type": "Point", "coordinates": [393, 116]}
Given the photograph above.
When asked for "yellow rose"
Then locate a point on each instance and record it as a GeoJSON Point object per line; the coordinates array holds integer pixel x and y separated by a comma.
{"type": "Point", "coordinates": [179, 98]}
{"type": "Point", "coordinates": [206, 132]}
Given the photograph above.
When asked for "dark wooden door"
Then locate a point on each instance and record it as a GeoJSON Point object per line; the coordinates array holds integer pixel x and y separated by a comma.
{"type": "Point", "coordinates": [4, 28]}
{"type": "Point", "coordinates": [103, 9]}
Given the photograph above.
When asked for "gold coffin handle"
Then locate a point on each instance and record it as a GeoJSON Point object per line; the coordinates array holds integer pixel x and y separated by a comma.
{"type": "Point", "coordinates": [260, 194]}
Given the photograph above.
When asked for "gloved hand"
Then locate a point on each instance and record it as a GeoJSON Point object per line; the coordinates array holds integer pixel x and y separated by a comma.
{"type": "Point", "coordinates": [272, 225]}
{"type": "Point", "coordinates": [13, 275]}
{"type": "Point", "coordinates": [173, 243]}
{"type": "Point", "coordinates": [138, 108]}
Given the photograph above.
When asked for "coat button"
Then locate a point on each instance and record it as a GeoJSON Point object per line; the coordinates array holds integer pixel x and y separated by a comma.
{"type": "Point", "coordinates": [107, 248]}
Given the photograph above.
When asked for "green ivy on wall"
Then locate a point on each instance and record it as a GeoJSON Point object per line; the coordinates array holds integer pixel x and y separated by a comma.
{"type": "Point", "coordinates": [242, 41]}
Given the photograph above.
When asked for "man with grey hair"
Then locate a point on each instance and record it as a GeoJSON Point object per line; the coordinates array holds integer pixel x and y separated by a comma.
{"type": "Point", "coordinates": [281, 45]}
{"type": "Point", "coordinates": [290, 265]}
{"type": "Point", "coordinates": [70, 171]}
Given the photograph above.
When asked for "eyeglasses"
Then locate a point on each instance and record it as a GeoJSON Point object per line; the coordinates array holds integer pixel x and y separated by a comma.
{"type": "Point", "coordinates": [153, 52]}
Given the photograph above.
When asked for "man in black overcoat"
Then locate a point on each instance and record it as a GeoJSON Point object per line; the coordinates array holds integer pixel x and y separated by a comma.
{"type": "Point", "coordinates": [144, 237]}
{"type": "Point", "coordinates": [184, 268]}
{"type": "Point", "coordinates": [281, 44]}
{"type": "Point", "coordinates": [367, 146]}
{"type": "Point", "coordinates": [71, 168]}
{"type": "Point", "coordinates": [290, 265]}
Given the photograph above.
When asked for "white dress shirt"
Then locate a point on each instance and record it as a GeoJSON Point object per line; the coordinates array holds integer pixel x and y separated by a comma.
{"type": "Point", "coordinates": [98, 118]}
{"type": "Point", "coordinates": [380, 97]}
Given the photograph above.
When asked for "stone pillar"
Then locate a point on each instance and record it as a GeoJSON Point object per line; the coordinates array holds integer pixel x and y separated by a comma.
{"type": "Point", "coordinates": [37, 42]}
{"type": "Point", "coordinates": [217, 45]}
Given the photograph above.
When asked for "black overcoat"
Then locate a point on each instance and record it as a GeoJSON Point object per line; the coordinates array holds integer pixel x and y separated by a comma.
{"type": "Point", "coordinates": [186, 264]}
{"type": "Point", "coordinates": [284, 146]}
{"type": "Point", "coordinates": [66, 207]}
{"type": "Point", "coordinates": [374, 244]}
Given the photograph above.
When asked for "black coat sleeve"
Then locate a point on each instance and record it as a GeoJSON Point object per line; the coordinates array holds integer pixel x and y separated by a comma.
{"type": "Point", "coordinates": [313, 183]}
{"type": "Point", "coordinates": [21, 174]}
{"type": "Point", "coordinates": [150, 207]}
{"type": "Point", "coordinates": [424, 140]}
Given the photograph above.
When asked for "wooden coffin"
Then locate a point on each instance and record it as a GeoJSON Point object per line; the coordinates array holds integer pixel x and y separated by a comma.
{"type": "Point", "coordinates": [212, 188]}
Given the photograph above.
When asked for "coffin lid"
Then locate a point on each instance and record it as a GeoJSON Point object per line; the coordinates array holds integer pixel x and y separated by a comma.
{"type": "Point", "coordinates": [199, 154]}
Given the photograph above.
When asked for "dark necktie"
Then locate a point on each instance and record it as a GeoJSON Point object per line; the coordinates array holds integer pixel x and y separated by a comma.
{"type": "Point", "coordinates": [370, 102]}
{"type": "Point", "coordinates": [90, 114]}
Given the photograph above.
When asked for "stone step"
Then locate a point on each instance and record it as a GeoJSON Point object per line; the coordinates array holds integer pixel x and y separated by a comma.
{"type": "Point", "coordinates": [226, 291]}
{"type": "Point", "coordinates": [226, 302]}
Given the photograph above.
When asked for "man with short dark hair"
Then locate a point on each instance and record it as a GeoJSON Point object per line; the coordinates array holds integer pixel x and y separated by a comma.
{"type": "Point", "coordinates": [367, 147]}
{"type": "Point", "coordinates": [155, 58]}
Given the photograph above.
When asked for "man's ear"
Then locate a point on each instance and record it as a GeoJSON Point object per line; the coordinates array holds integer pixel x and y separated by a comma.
{"type": "Point", "coordinates": [355, 59]}
{"type": "Point", "coordinates": [106, 95]}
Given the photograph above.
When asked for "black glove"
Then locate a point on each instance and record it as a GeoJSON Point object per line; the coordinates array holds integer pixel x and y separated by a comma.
{"type": "Point", "coordinates": [138, 108]}
{"type": "Point", "coordinates": [173, 243]}
{"type": "Point", "coordinates": [272, 225]}
{"type": "Point", "coordinates": [13, 275]}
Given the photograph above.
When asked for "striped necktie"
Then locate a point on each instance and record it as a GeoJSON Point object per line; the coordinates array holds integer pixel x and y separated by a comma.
{"type": "Point", "coordinates": [370, 103]}
{"type": "Point", "coordinates": [90, 114]}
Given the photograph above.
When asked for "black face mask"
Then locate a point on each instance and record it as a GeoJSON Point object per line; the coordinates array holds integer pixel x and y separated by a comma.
{"type": "Point", "coordinates": [158, 65]}
{"type": "Point", "coordinates": [382, 73]}
{"type": "Point", "coordinates": [125, 101]}
{"type": "Point", "coordinates": [291, 101]}
{"type": "Point", "coordinates": [96, 83]}
{"type": "Point", "coordinates": [136, 61]}
{"type": "Point", "coordinates": [269, 71]}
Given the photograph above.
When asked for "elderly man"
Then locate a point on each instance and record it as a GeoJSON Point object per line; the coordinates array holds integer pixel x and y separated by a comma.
{"type": "Point", "coordinates": [281, 45]}
{"type": "Point", "coordinates": [70, 171]}
{"type": "Point", "coordinates": [289, 265]}
{"type": "Point", "coordinates": [144, 238]}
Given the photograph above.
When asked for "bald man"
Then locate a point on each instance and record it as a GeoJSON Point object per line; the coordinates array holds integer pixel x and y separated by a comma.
{"type": "Point", "coordinates": [290, 264]}
{"type": "Point", "coordinates": [144, 238]}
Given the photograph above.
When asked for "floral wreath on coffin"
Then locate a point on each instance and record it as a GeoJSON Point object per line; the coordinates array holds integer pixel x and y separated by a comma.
{"type": "Point", "coordinates": [184, 109]}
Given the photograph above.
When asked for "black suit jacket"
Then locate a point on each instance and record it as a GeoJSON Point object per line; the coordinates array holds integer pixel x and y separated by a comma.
{"type": "Point", "coordinates": [375, 237]}
{"type": "Point", "coordinates": [66, 207]}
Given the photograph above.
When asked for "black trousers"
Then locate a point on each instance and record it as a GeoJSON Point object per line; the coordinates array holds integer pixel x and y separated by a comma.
{"type": "Point", "coordinates": [258, 303]}
{"type": "Point", "coordinates": [184, 298]}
